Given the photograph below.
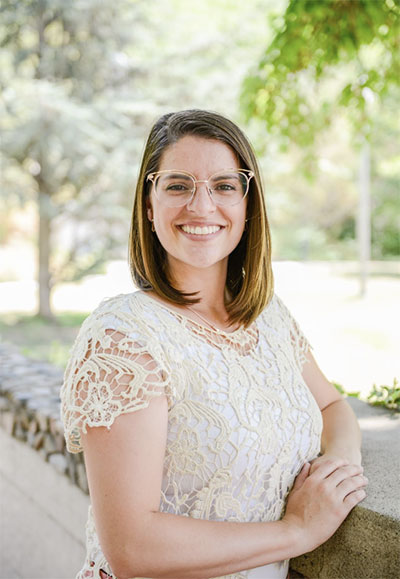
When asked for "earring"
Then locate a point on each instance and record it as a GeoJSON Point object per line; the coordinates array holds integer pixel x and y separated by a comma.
{"type": "Point", "coordinates": [152, 225]}
{"type": "Point", "coordinates": [245, 225]}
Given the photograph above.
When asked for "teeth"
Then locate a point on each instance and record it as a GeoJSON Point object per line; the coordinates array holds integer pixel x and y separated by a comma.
{"type": "Point", "coordinates": [201, 230]}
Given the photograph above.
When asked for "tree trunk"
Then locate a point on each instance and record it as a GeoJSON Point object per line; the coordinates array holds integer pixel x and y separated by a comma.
{"type": "Point", "coordinates": [364, 217]}
{"type": "Point", "coordinates": [44, 276]}
{"type": "Point", "coordinates": [44, 206]}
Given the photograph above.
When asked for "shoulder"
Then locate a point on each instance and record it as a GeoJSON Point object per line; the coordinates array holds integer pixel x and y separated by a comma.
{"type": "Point", "coordinates": [125, 318]}
{"type": "Point", "coordinates": [121, 304]}
{"type": "Point", "coordinates": [116, 366]}
{"type": "Point", "coordinates": [275, 308]}
{"type": "Point", "coordinates": [277, 315]}
{"type": "Point", "coordinates": [123, 312]}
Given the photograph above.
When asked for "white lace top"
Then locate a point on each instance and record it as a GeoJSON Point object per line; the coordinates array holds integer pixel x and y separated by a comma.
{"type": "Point", "coordinates": [242, 422]}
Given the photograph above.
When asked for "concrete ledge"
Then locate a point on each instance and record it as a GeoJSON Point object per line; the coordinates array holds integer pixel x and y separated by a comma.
{"type": "Point", "coordinates": [367, 545]}
{"type": "Point", "coordinates": [43, 516]}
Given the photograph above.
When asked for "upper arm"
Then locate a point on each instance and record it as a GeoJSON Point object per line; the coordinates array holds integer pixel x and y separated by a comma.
{"type": "Point", "coordinates": [322, 390]}
{"type": "Point", "coordinates": [124, 468]}
{"type": "Point", "coordinates": [115, 401]}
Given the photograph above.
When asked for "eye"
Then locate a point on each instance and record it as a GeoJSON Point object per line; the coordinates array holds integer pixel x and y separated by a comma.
{"type": "Point", "coordinates": [229, 184]}
{"type": "Point", "coordinates": [177, 187]}
{"type": "Point", "coordinates": [225, 187]}
{"type": "Point", "coordinates": [173, 184]}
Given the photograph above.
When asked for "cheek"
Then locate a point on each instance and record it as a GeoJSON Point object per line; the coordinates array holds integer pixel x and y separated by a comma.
{"type": "Point", "coordinates": [239, 219]}
{"type": "Point", "coordinates": [163, 222]}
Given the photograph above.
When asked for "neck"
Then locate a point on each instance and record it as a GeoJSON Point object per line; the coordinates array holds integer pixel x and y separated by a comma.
{"type": "Point", "coordinates": [209, 283]}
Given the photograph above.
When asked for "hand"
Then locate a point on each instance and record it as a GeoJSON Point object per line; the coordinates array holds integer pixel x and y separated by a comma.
{"type": "Point", "coordinates": [319, 502]}
{"type": "Point", "coordinates": [351, 458]}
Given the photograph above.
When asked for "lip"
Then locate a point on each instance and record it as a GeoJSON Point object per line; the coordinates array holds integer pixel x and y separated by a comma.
{"type": "Point", "coordinates": [200, 224]}
{"type": "Point", "coordinates": [200, 237]}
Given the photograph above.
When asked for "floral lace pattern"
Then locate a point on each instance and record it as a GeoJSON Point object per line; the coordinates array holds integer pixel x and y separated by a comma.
{"type": "Point", "coordinates": [242, 422]}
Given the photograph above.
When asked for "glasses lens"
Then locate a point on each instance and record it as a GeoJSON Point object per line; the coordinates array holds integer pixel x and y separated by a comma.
{"type": "Point", "coordinates": [174, 189]}
{"type": "Point", "coordinates": [228, 188]}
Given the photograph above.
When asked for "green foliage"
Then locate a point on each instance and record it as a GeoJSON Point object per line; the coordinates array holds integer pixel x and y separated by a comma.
{"type": "Point", "coordinates": [387, 396]}
{"type": "Point", "coordinates": [344, 392]}
{"type": "Point", "coordinates": [83, 82]}
{"type": "Point", "coordinates": [296, 87]}
{"type": "Point", "coordinates": [61, 139]}
{"type": "Point", "coordinates": [40, 338]}
{"type": "Point", "coordinates": [333, 69]}
{"type": "Point", "coordinates": [54, 352]}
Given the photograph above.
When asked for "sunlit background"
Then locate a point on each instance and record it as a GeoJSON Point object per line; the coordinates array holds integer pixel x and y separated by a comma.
{"type": "Point", "coordinates": [315, 85]}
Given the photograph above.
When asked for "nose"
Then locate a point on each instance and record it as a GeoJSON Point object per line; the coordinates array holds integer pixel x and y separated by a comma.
{"type": "Point", "coordinates": [202, 201]}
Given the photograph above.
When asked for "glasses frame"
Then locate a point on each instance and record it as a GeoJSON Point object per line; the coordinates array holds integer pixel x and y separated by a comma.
{"type": "Point", "coordinates": [247, 173]}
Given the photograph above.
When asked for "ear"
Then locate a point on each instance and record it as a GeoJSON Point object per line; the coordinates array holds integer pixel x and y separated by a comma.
{"type": "Point", "coordinates": [149, 209]}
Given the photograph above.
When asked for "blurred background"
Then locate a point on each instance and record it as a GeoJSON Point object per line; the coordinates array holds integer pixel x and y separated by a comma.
{"type": "Point", "coordinates": [315, 86]}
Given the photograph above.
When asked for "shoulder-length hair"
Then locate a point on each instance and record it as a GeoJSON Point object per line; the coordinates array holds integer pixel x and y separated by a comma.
{"type": "Point", "coordinates": [249, 277]}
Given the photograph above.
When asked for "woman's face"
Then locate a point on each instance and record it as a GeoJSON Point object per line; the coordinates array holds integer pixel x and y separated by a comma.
{"type": "Point", "coordinates": [203, 248]}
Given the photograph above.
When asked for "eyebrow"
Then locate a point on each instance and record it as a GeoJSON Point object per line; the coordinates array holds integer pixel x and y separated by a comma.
{"type": "Point", "coordinates": [225, 175]}
{"type": "Point", "coordinates": [178, 175]}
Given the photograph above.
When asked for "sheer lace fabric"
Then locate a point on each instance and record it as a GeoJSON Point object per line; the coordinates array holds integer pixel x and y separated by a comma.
{"type": "Point", "coordinates": [242, 422]}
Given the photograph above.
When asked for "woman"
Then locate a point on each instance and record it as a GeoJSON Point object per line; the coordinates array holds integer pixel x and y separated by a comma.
{"type": "Point", "coordinates": [196, 400]}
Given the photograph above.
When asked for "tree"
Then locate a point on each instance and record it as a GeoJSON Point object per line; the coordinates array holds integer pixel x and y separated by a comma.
{"type": "Point", "coordinates": [332, 61]}
{"type": "Point", "coordinates": [82, 83]}
{"type": "Point", "coordinates": [297, 89]}
{"type": "Point", "coordinates": [63, 68]}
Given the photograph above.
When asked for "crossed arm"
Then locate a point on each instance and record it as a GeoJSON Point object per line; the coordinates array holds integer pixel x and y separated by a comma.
{"type": "Point", "coordinates": [124, 467]}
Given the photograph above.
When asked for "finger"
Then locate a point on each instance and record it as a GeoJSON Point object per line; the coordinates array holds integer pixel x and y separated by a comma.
{"type": "Point", "coordinates": [317, 462]}
{"type": "Point", "coordinates": [327, 467]}
{"type": "Point", "coordinates": [344, 472]}
{"type": "Point", "coordinates": [354, 498]}
{"type": "Point", "coordinates": [351, 484]}
{"type": "Point", "coordinates": [301, 477]}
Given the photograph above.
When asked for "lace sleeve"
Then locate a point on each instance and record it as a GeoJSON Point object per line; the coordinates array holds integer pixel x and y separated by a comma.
{"type": "Point", "coordinates": [299, 342]}
{"type": "Point", "coordinates": [109, 373]}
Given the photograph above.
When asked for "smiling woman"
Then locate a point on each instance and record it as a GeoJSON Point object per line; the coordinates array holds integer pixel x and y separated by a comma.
{"type": "Point", "coordinates": [200, 232]}
{"type": "Point", "coordinates": [190, 142]}
{"type": "Point", "coordinates": [196, 400]}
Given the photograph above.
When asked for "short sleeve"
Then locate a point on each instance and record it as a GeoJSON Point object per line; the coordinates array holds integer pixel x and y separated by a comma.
{"type": "Point", "coordinates": [111, 371]}
{"type": "Point", "coordinates": [299, 342]}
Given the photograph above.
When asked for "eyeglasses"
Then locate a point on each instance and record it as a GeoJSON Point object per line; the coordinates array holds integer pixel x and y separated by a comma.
{"type": "Point", "coordinates": [177, 188]}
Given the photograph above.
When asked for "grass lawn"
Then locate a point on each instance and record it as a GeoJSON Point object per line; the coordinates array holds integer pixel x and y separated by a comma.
{"type": "Point", "coordinates": [40, 339]}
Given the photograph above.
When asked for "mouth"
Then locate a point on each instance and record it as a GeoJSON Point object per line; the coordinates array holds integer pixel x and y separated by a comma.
{"type": "Point", "coordinates": [200, 230]}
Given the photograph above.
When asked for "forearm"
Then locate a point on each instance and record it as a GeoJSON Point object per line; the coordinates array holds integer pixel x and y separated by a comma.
{"type": "Point", "coordinates": [170, 546]}
{"type": "Point", "coordinates": [341, 434]}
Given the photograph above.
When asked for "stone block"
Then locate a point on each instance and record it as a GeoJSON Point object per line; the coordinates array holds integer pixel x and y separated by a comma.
{"type": "Point", "coordinates": [33, 426]}
{"type": "Point", "coordinates": [42, 419]}
{"type": "Point", "coordinates": [49, 444]}
{"type": "Point", "coordinates": [8, 422]}
{"type": "Point", "coordinates": [4, 404]}
{"type": "Point", "coordinates": [55, 425]}
{"type": "Point", "coordinates": [82, 478]}
{"type": "Point", "coordinates": [59, 462]}
{"type": "Point", "coordinates": [38, 441]}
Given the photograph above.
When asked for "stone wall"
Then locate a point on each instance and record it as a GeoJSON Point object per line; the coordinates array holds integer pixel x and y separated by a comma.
{"type": "Point", "coordinates": [30, 411]}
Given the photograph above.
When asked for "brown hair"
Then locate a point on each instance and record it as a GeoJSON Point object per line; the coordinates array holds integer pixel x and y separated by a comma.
{"type": "Point", "coordinates": [249, 277]}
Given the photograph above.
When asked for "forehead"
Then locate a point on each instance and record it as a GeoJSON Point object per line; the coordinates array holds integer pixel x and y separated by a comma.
{"type": "Point", "coordinates": [199, 156]}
